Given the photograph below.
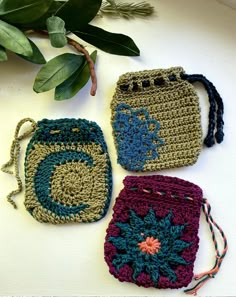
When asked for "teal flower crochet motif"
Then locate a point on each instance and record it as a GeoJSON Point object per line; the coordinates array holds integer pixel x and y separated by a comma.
{"type": "Point", "coordinates": [136, 136]}
{"type": "Point", "coordinates": [150, 245]}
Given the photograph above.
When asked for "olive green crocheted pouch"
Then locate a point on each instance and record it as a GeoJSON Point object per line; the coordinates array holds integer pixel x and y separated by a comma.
{"type": "Point", "coordinates": [156, 119]}
{"type": "Point", "coordinates": [68, 174]}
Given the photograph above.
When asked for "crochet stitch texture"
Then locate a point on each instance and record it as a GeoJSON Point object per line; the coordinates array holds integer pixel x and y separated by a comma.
{"type": "Point", "coordinates": [67, 172]}
{"type": "Point", "coordinates": [156, 120]}
{"type": "Point", "coordinates": [152, 239]}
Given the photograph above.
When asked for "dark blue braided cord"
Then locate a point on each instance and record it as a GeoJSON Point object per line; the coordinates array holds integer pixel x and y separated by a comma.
{"type": "Point", "coordinates": [215, 117]}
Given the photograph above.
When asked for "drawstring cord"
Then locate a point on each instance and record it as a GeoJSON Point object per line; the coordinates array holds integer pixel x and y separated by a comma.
{"type": "Point", "coordinates": [215, 115]}
{"type": "Point", "coordinates": [14, 156]}
{"type": "Point", "coordinates": [206, 276]}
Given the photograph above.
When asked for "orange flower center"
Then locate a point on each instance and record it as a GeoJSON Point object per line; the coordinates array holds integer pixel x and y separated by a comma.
{"type": "Point", "coordinates": [150, 246]}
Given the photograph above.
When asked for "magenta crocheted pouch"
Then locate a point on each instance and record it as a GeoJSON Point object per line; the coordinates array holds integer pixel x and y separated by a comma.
{"type": "Point", "coordinates": [152, 239]}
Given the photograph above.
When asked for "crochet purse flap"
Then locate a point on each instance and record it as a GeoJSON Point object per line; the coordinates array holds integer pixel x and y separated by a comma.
{"type": "Point", "coordinates": [156, 119]}
{"type": "Point", "coordinates": [67, 171]}
{"type": "Point", "coordinates": [152, 239]}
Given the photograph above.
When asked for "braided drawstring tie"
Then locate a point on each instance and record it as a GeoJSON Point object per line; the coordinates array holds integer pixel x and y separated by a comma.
{"type": "Point", "coordinates": [14, 156]}
{"type": "Point", "coordinates": [206, 276]}
{"type": "Point", "coordinates": [216, 109]}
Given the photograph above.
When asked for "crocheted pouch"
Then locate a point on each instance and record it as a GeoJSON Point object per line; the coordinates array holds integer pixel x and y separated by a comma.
{"type": "Point", "coordinates": [152, 239]}
{"type": "Point", "coordinates": [156, 119]}
{"type": "Point", "coordinates": [68, 174]}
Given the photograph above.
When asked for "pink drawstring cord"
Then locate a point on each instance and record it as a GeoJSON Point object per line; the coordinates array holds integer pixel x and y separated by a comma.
{"type": "Point", "coordinates": [205, 276]}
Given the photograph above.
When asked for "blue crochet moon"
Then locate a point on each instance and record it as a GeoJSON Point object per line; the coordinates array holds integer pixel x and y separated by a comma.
{"type": "Point", "coordinates": [42, 185]}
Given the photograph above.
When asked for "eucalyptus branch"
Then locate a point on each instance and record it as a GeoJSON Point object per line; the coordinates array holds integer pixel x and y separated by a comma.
{"type": "Point", "coordinates": [66, 73]}
{"type": "Point", "coordinates": [82, 50]}
{"type": "Point", "coordinates": [126, 10]}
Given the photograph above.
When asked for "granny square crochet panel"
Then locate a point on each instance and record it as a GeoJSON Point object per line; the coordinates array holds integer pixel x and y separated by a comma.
{"type": "Point", "coordinates": [67, 172]}
{"type": "Point", "coordinates": [156, 119]}
{"type": "Point", "coordinates": [152, 239]}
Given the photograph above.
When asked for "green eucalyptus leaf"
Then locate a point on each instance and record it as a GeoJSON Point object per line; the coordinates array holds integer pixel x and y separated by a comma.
{"type": "Point", "coordinates": [56, 31]}
{"type": "Point", "coordinates": [23, 11]}
{"type": "Point", "coordinates": [14, 40]}
{"type": "Point", "coordinates": [78, 13]}
{"type": "Point", "coordinates": [37, 57]}
{"type": "Point", "coordinates": [117, 44]}
{"type": "Point", "coordinates": [40, 24]}
{"type": "Point", "coordinates": [56, 71]}
{"type": "Point", "coordinates": [76, 82]}
{"type": "Point", "coordinates": [3, 54]}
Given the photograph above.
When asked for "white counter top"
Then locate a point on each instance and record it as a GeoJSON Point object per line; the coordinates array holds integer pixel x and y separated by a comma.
{"type": "Point", "coordinates": [40, 259]}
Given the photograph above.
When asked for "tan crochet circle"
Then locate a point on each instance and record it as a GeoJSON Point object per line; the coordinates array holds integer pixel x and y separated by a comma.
{"type": "Point", "coordinates": [72, 183]}
{"type": "Point", "coordinates": [93, 188]}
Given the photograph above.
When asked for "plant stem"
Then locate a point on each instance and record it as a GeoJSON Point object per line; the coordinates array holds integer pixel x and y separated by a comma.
{"type": "Point", "coordinates": [82, 50]}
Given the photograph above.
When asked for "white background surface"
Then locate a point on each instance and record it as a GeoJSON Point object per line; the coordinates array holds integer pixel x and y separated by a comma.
{"type": "Point", "coordinates": [42, 259]}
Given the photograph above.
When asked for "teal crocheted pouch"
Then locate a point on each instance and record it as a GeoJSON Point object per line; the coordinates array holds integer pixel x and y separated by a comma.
{"type": "Point", "coordinates": [68, 174]}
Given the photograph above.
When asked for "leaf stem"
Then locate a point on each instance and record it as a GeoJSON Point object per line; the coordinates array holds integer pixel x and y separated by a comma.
{"type": "Point", "coordinates": [81, 49]}
{"type": "Point", "coordinates": [59, 8]}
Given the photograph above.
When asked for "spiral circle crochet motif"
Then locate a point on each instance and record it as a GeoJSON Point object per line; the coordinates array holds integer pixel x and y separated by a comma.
{"type": "Point", "coordinates": [68, 181]}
